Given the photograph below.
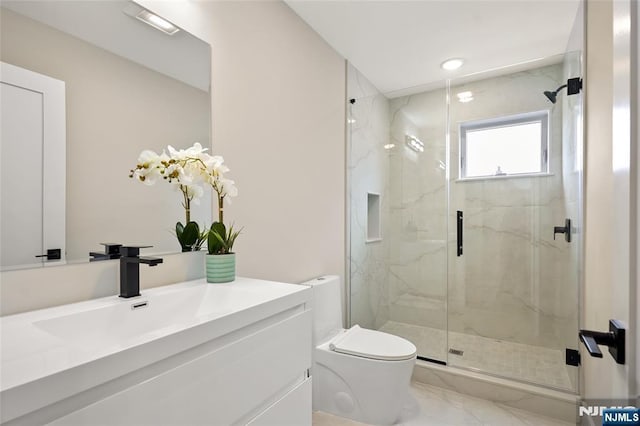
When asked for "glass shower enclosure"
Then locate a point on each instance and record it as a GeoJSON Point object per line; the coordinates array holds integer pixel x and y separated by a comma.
{"type": "Point", "coordinates": [464, 219]}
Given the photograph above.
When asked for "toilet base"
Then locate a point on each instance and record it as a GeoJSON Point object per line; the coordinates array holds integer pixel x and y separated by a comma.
{"type": "Point", "coordinates": [366, 390]}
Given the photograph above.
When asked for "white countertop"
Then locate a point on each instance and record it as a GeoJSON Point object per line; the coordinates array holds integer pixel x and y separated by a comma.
{"type": "Point", "coordinates": [90, 337]}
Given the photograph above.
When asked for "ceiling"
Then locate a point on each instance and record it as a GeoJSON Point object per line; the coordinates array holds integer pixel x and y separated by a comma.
{"type": "Point", "coordinates": [106, 24]}
{"type": "Point", "coordinates": [399, 45]}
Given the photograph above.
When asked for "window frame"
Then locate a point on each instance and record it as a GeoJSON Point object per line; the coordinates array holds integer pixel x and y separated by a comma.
{"type": "Point", "coordinates": [543, 117]}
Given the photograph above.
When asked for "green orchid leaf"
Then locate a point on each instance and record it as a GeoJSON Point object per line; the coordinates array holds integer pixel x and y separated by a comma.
{"type": "Point", "coordinates": [180, 236]}
{"type": "Point", "coordinates": [215, 239]}
{"type": "Point", "coordinates": [190, 234]}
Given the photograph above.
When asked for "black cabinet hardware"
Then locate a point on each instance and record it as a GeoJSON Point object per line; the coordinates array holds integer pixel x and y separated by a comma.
{"type": "Point", "coordinates": [52, 254]}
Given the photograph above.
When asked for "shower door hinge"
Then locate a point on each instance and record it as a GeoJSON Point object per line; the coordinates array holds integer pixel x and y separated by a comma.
{"type": "Point", "coordinates": [572, 357]}
{"type": "Point", "coordinates": [574, 86]}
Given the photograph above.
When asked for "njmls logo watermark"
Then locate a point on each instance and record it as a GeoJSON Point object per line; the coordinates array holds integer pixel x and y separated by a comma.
{"type": "Point", "coordinates": [611, 412]}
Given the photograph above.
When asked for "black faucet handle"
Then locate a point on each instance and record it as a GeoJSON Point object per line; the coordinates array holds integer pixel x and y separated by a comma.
{"type": "Point", "coordinates": [111, 248]}
{"type": "Point", "coordinates": [131, 251]}
{"type": "Point", "coordinates": [151, 261]}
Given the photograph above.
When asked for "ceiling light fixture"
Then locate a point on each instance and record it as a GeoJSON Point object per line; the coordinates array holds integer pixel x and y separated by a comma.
{"type": "Point", "coordinates": [389, 145]}
{"type": "Point", "coordinates": [452, 64]}
{"type": "Point", "coordinates": [157, 22]}
{"type": "Point", "coordinates": [465, 97]}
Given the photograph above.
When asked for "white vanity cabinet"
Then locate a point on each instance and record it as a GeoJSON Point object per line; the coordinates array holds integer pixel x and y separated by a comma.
{"type": "Point", "coordinates": [249, 366]}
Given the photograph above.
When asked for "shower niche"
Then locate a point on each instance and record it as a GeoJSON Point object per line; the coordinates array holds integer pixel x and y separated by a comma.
{"type": "Point", "coordinates": [373, 218]}
{"type": "Point", "coordinates": [507, 306]}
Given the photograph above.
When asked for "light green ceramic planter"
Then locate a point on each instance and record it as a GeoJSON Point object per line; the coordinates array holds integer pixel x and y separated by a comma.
{"type": "Point", "coordinates": [221, 268]}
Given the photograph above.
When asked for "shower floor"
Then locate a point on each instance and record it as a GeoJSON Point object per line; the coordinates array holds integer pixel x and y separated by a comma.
{"type": "Point", "coordinates": [518, 361]}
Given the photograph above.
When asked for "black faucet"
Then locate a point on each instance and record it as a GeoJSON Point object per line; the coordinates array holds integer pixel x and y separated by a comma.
{"type": "Point", "coordinates": [130, 269]}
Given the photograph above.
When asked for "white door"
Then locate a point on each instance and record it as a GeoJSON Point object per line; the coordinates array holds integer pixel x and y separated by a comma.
{"type": "Point", "coordinates": [32, 166]}
{"type": "Point", "coordinates": [624, 166]}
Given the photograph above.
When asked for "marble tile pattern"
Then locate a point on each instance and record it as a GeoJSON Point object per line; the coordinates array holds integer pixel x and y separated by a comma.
{"type": "Point", "coordinates": [527, 363]}
{"type": "Point", "coordinates": [430, 405]}
{"type": "Point", "coordinates": [368, 170]}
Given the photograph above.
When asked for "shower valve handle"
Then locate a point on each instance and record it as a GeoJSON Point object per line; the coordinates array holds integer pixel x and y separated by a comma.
{"type": "Point", "coordinates": [566, 230]}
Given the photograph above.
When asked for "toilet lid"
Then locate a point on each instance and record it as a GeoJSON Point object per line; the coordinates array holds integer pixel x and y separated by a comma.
{"type": "Point", "coordinates": [373, 344]}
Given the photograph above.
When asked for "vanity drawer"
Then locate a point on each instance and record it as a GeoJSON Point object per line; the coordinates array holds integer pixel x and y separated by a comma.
{"type": "Point", "coordinates": [294, 409]}
{"type": "Point", "coordinates": [227, 386]}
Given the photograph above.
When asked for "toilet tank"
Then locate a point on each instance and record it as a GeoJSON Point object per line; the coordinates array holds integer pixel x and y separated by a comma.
{"type": "Point", "coordinates": [327, 307]}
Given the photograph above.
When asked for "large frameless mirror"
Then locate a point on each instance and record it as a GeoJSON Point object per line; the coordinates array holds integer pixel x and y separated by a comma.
{"type": "Point", "coordinates": [120, 87]}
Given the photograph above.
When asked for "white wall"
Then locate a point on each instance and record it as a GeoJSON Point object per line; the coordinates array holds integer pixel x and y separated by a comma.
{"type": "Point", "coordinates": [278, 119]}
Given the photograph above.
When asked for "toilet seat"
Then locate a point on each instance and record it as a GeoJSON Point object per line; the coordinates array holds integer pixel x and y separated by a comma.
{"type": "Point", "coordinates": [372, 344]}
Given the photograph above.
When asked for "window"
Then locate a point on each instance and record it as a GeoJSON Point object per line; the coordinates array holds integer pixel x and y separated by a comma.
{"type": "Point", "coordinates": [505, 146]}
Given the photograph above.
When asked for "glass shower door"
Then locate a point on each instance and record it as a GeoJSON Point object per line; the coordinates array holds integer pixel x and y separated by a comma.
{"type": "Point", "coordinates": [418, 222]}
{"type": "Point", "coordinates": [516, 178]}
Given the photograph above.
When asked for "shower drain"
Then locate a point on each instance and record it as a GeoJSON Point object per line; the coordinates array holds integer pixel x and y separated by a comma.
{"type": "Point", "coordinates": [456, 351]}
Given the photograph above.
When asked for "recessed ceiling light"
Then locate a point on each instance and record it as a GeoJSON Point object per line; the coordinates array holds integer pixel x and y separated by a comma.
{"type": "Point", "coordinates": [157, 22]}
{"type": "Point", "coordinates": [452, 64]}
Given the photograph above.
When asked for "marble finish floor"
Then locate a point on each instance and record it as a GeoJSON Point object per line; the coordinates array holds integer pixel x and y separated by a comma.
{"type": "Point", "coordinates": [533, 364]}
{"type": "Point", "coordinates": [431, 405]}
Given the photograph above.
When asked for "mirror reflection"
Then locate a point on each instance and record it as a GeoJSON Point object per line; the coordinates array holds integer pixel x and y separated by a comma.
{"type": "Point", "coordinates": [119, 87]}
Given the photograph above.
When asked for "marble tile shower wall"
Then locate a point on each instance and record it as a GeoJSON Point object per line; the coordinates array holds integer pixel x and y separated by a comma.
{"type": "Point", "coordinates": [368, 169]}
{"type": "Point", "coordinates": [418, 216]}
{"type": "Point", "coordinates": [513, 280]}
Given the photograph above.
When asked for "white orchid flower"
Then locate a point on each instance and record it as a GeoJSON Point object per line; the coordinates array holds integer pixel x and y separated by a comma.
{"type": "Point", "coordinates": [214, 162]}
{"type": "Point", "coordinates": [228, 189]}
{"type": "Point", "coordinates": [195, 192]}
{"type": "Point", "coordinates": [187, 169]}
{"type": "Point", "coordinates": [196, 151]}
{"type": "Point", "coordinates": [148, 168]}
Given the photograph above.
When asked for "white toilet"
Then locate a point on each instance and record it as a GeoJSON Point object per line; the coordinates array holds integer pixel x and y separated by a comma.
{"type": "Point", "coordinates": [357, 373]}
